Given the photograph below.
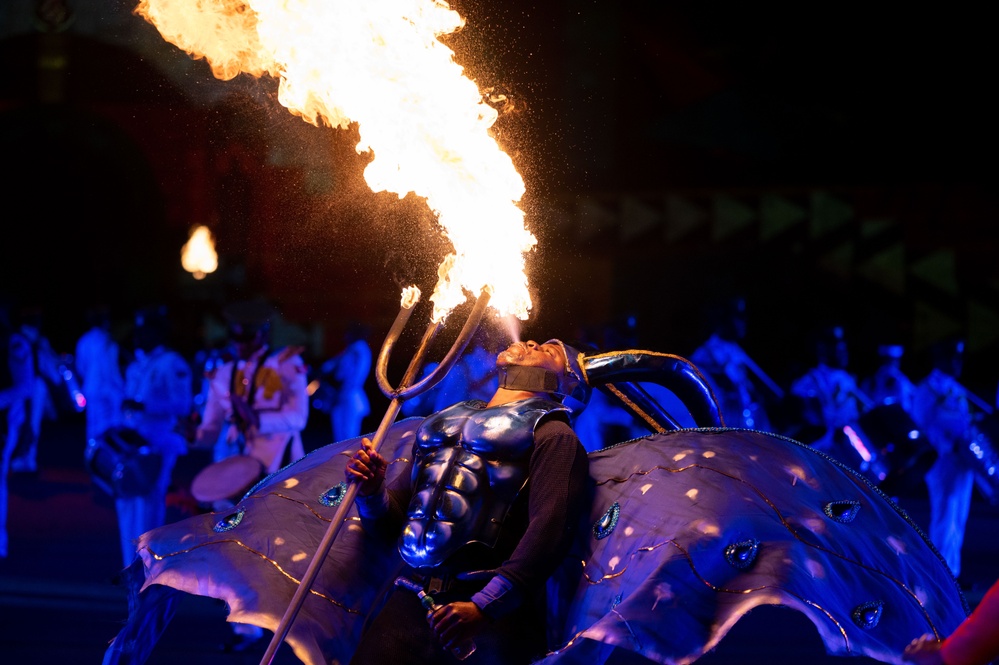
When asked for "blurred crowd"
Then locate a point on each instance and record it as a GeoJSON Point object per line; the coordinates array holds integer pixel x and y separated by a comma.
{"type": "Point", "coordinates": [248, 400]}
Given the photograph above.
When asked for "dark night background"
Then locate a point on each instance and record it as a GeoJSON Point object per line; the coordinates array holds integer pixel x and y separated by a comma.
{"type": "Point", "coordinates": [827, 161]}
{"type": "Point", "coordinates": [831, 162]}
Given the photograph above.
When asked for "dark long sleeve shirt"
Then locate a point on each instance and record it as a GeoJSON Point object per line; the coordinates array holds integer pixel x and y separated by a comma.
{"type": "Point", "coordinates": [559, 469]}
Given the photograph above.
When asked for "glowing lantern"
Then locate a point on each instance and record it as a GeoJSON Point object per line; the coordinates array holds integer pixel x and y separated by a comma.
{"type": "Point", "coordinates": [198, 254]}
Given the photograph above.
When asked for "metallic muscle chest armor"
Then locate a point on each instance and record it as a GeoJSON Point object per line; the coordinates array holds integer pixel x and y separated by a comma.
{"type": "Point", "coordinates": [470, 463]}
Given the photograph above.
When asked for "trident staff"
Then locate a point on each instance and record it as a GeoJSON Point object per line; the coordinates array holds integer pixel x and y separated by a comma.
{"type": "Point", "coordinates": [397, 395]}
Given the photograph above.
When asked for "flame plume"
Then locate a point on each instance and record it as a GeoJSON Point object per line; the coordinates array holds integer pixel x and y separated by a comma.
{"type": "Point", "coordinates": [381, 64]}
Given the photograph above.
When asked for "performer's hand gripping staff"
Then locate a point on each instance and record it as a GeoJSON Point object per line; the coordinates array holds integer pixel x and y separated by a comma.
{"type": "Point", "coordinates": [404, 391]}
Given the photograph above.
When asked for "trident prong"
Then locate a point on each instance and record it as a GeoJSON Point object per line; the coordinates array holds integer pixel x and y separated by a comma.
{"type": "Point", "coordinates": [406, 391]}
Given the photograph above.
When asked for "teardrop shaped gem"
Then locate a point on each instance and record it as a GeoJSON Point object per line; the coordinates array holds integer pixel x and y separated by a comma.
{"type": "Point", "coordinates": [742, 554]}
{"type": "Point", "coordinates": [867, 615]}
{"type": "Point", "coordinates": [230, 521]}
{"type": "Point", "coordinates": [605, 525]}
{"type": "Point", "coordinates": [334, 495]}
{"type": "Point", "coordinates": [842, 511]}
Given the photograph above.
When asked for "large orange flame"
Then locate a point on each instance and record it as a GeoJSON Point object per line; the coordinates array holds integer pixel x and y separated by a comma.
{"type": "Point", "coordinates": [381, 64]}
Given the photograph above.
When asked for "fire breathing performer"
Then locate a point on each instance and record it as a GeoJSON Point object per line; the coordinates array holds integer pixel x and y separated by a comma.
{"type": "Point", "coordinates": [495, 492]}
{"type": "Point", "coordinates": [681, 534]}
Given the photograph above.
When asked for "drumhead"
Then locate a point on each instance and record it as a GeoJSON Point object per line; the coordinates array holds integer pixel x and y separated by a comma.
{"type": "Point", "coordinates": [229, 478]}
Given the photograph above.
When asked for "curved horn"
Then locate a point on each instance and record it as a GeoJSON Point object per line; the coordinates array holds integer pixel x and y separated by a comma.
{"type": "Point", "coordinates": [676, 374]}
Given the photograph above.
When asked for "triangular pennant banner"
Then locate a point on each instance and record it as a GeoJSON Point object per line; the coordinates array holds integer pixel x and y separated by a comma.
{"type": "Point", "coordinates": [777, 214]}
{"type": "Point", "coordinates": [938, 269]}
{"type": "Point", "coordinates": [828, 213]}
{"type": "Point", "coordinates": [637, 218]}
{"type": "Point", "coordinates": [593, 218]}
{"type": "Point", "coordinates": [730, 216]}
{"type": "Point", "coordinates": [682, 217]}
{"type": "Point", "coordinates": [930, 325]}
{"type": "Point", "coordinates": [886, 268]}
{"type": "Point", "coordinates": [983, 326]}
{"type": "Point", "coordinates": [870, 228]}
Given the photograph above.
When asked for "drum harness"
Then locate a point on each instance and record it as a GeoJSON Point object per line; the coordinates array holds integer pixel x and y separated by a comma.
{"type": "Point", "coordinates": [251, 394]}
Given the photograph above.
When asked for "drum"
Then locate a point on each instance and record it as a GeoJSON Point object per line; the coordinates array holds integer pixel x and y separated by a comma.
{"type": "Point", "coordinates": [226, 480]}
{"type": "Point", "coordinates": [121, 463]}
{"type": "Point", "coordinates": [901, 445]}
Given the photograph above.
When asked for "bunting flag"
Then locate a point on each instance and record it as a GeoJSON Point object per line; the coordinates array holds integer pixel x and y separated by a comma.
{"type": "Point", "coordinates": [983, 326]}
{"type": "Point", "coordinates": [872, 228]}
{"type": "Point", "coordinates": [938, 311]}
{"type": "Point", "coordinates": [730, 216]}
{"type": "Point", "coordinates": [682, 217]}
{"type": "Point", "coordinates": [930, 325]}
{"type": "Point", "coordinates": [886, 269]}
{"type": "Point", "coordinates": [777, 215]}
{"type": "Point", "coordinates": [939, 269]}
{"type": "Point", "coordinates": [594, 218]}
{"type": "Point", "coordinates": [824, 226]}
{"type": "Point", "coordinates": [638, 218]}
{"type": "Point", "coordinates": [828, 213]}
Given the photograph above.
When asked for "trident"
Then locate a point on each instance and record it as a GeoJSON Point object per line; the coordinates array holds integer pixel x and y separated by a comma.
{"type": "Point", "coordinates": [397, 397]}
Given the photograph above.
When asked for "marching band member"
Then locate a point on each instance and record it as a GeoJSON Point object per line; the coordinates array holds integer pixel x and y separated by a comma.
{"type": "Point", "coordinates": [97, 361]}
{"type": "Point", "coordinates": [942, 410]}
{"type": "Point", "coordinates": [741, 386]}
{"type": "Point", "coordinates": [831, 397]}
{"type": "Point", "coordinates": [347, 371]}
{"type": "Point", "coordinates": [46, 364]}
{"type": "Point", "coordinates": [17, 379]}
{"type": "Point", "coordinates": [488, 575]}
{"type": "Point", "coordinates": [158, 401]}
{"type": "Point", "coordinates": [258, 402]}
{"type": "Point", "coordinates": [257, 407]}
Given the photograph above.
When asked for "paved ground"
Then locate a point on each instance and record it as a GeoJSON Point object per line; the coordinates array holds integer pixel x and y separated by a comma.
{"type": "Point", "coordinates": [60, 605]}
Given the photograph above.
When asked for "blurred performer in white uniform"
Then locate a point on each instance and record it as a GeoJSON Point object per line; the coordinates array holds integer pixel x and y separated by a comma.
{"type": "Point", "coordinates": [46, 365]}
{"type": "Point", "coordinates": [97, 362]}
{"type": "Point", "coordinates": [832, 402]}
{"type": "Point", "coordinates": [17, 380]}
{"type": "Point", "coordinates": [347, 372]}
{"type": "Point", "coordinates": [829, 393]}
{"type": "Point", "coordinates": [889, 384]}
{"type": "Point", "coordinates": [158, 401]}
{"type": "Point", "coordinates": [257, 403]}
{"type": "Point", "coordinates": [257, 406]}
{"type": "Point", "coordinates": [739, 384]}
{"type": "Point", "coordinates": [943, 411]}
